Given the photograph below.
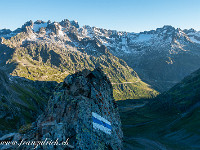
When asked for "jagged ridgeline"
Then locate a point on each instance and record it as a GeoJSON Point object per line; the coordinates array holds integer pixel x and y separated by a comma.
{"type": "Point", "coordinates": [161, 57]}
{"type": "Point", "coordinates": [51, 51]}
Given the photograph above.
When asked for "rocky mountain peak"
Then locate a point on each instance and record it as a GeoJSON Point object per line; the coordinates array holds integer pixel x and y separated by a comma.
{"type": "Point", "coordinates": [54, 27]}
{"type": "Point", "coordinates": [28, 23]}
{"type": "Point", "coordinates": [39, 22]}
{"type": "Point", "coordinates": [65, 23]}
{"type": "Point", "coordinates": [168, 27]}
{"type": "Point", "coordinates": [189, 30]}
{"type": "Point", "coordinates": [5, 31]}
{"type": "Point", "coordinates": [74, 23]}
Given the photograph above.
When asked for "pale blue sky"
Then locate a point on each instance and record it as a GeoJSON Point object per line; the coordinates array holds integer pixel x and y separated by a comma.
{"type": "Point", "coordinates": [122, 15]}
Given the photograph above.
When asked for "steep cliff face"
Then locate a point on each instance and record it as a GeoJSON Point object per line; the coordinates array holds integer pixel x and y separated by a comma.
{"type": "Point", "coordinates": [82, 112]}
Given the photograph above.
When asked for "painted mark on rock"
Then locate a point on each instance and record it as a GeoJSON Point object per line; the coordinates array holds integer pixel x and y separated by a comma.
{"type": "Point", "coordinates": [101, 123]}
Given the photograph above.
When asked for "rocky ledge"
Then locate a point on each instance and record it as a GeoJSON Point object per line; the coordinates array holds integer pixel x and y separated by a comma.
{"type": "Point", "coordinates": [81, 114]}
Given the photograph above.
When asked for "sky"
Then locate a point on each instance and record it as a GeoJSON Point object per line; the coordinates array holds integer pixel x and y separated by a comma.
{"type": "Point", "coordinates": [121, 15]}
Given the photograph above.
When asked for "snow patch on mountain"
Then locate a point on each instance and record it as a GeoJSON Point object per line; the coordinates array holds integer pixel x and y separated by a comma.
{"type": "Point", "coordinates": [195, 40]}
{"type": "Point", "coordinates": [144, 37]}
{"type": "Point", "coordinates": [32, 37]}
{"type": "Point", "coordinates": [36, 27]}
{"type": "Point", "coordinates": [118, 43]}
{"type": "Point", "coordinates": [194, 36]}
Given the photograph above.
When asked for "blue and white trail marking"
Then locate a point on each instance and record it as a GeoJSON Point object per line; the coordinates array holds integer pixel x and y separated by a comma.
{"type": "Point", "coordinates": [101, 123]}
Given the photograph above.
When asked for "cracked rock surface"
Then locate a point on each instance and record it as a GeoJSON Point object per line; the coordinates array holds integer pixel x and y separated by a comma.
{"type": "Point", "coordinates": [82, 112]}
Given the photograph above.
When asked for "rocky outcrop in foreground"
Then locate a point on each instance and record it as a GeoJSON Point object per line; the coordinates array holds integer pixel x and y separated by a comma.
{"type": "Point", "coordinates": [82, 114]}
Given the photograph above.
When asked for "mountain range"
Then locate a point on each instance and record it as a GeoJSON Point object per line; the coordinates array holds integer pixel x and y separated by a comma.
{"type": "Point", "coordinates": [51, 51]}
{"type": "Point", "coordinates": [161, 57]}
{"type": "Point", "coordinates": [35, 58]}
{"type": "Point", "coordinates": [155, 70]}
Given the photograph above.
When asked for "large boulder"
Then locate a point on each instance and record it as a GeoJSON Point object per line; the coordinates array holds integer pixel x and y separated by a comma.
{"type": "Point", "coordinates": [82, 114]}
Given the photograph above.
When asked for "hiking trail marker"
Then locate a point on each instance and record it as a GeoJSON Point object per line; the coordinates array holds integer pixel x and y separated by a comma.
{"type": "Point", "coordinates": [101, 123]}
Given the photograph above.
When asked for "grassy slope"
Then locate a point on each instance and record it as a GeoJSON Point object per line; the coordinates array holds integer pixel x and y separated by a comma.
{"type": "Point", "coordinates": [21, 100]}
{"type": "Point", "coordinates": [171, 121]}
{"type": "Point", "coordinates": [144, 129]}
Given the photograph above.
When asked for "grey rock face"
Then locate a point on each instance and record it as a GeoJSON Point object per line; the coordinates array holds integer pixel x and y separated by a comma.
{"type": "Point", "coordinates": [75, 23]}
{"type": "Point", "coordinates": [28, 23]}
{"type": "Point", "coordinates": [161, 57]}
{"type": "Point", "coordinates": [65, 23]}
{"type": "Point", "coordinates": [82, 112]}
{"type": "Point", "coordinates": [39, 22]}
{"type": "Point", "coordinates": [5, 31]}
{"type": "Point", "coordinates": [54, 27]}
